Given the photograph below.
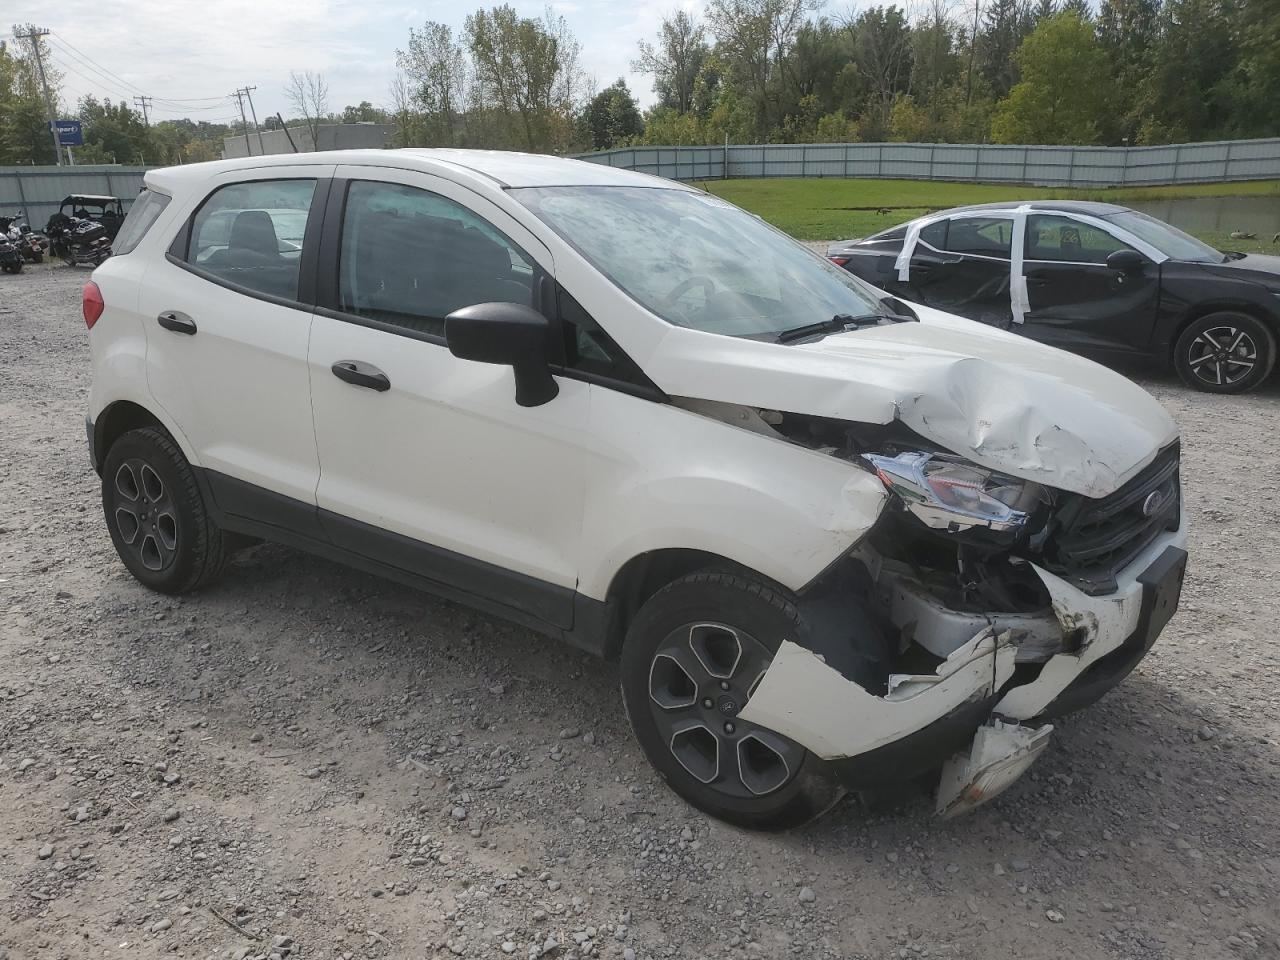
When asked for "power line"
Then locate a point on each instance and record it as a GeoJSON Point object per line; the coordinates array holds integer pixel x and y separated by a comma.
{"type": "Point", "coordinates": [74, 52]}
{"type": "Point", "coordinates": [113, 79]}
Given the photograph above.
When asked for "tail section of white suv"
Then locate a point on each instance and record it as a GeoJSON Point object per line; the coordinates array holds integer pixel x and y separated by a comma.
{"type": "Point", "coordinates": [831, 538]}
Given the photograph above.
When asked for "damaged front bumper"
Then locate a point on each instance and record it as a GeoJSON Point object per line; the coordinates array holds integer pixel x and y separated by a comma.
{"type": "Point", "coordinates": [983, 712]}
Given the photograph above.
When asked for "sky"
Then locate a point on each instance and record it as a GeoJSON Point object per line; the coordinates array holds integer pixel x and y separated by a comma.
{"type": "Point", "coordinates": [187, 53]}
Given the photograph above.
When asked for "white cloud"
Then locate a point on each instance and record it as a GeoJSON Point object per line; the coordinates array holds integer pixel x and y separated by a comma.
{"type": "Point", "coordinates": [184, 49]}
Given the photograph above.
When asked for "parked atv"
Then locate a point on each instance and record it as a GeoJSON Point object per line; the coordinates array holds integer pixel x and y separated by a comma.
{"type": "Point", "coordinates": [77, 241]}
{"type": "Point", "coordinates": [108, 211]}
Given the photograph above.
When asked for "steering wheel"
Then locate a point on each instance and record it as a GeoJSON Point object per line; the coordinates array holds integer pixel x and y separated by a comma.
{"type": "Point", "coordinates": [684, 286]}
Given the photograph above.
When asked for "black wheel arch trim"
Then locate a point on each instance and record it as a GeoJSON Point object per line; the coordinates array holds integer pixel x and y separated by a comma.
{"type": "Point", "coordinates": [1200, 310]}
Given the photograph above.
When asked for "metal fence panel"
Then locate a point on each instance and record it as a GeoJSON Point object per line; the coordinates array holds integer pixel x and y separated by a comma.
{"type": "Point", "coordinates": [1051, 166]}
{"type": "Point", "coordinates": [38, 191]}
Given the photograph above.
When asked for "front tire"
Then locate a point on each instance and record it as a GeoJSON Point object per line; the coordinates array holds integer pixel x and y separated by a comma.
{"type": "Point", "coordinates": [692, 656]}
{"type": "Point", "coordinates": [157, 516]}
{"type": "Point", "coordinates": [1225, 352]}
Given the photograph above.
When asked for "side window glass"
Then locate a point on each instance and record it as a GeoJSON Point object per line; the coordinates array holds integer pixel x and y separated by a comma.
{"type": "Point", "coordinates": [144, 212]}
{"type": "Point", "coordinates": [984, 236]}
{"type": "Point", "coordinates": [410, 257]}
{"type": "Point", "coordinates": [1065, 239]}
{"type": "Point", "coordinates": [250, 234]}
{"type": "Point", "coordinates": [935, 235]}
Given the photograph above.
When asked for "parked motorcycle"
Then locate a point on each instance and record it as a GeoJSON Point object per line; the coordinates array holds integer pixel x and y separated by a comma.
{"type": "Point", "coordinates": [10, 259]}
{"type": "Point", "coordinates": [75, 240]}
{"type": "Point", "coordinates": [30, 244]}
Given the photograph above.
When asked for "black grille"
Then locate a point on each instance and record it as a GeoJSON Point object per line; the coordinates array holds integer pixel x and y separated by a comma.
{"type": "Point", "coordinates": [1093, 539]}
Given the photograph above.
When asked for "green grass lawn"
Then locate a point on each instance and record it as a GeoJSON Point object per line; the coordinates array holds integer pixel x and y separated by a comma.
{"type": "Point", "coordinates": [828, 209]}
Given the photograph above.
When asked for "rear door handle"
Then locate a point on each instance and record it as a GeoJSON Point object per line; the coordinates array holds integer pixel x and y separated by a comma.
{"type": "Point", "coordinates": [177, 321]}
{"type": "Point", "coordinates": [361, 374]}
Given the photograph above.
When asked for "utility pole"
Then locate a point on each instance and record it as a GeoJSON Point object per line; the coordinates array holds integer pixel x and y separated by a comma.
{"type": "Point", "coordinates": [144, 102]}
{"type": "Point", "coordinates": [239, 95]}
{"type": "Point", "coordinates": [292, 146]}
{"type": "Point", "coordinates": [34, 36]}
{"type": "Point", "coordinates": [973, 52]}
{"type": "Point", "coordinates": [254, 114]}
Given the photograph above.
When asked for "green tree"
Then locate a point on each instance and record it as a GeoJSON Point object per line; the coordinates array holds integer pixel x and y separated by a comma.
{"type": "Point", "coordinates": [675, 61]}
{"type": "Point", "coordinates": [1063, 90]}
{"type": "Point", "coordinates": [115, 133]}
{"type": "Point", "coordinates": [24, 118]}
{"type": "Point", "coordinates": [527, 72]}
{"type": "Point", "coordinates": [1193, 88]}
{"type": "Point", "coordinates": [613, 116]}
{"type": "Point", "coordinates": [1127, 31]}
{"type": "Point", "coordinates": [438, 71]}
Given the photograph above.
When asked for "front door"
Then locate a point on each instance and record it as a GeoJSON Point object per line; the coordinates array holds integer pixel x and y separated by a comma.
{"type": "Point", "coordinates": [426, 460]}
{"type": "Point", "coordinates": [227, 320]}
{"type": "Point", "coordinates": [1076, 300]}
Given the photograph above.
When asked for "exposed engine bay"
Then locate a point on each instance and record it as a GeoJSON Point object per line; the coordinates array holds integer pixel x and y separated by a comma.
{"type": "Point", "coordinates": [972, 591]}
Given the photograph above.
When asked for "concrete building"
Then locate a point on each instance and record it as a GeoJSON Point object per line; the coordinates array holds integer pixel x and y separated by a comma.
{"type": "Point", "coordinates": [331, 136]}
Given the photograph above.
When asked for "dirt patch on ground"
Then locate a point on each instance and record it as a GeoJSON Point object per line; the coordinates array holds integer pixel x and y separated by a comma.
{"type": "Point", "coordinates": [307, 760]}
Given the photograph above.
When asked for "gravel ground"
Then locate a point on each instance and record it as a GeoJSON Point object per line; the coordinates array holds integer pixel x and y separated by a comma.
{"type": "Point", "coordinates": [304, 760]}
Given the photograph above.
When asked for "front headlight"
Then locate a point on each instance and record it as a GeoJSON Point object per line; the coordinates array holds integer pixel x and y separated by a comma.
{"type": "Point", "coordinates": [947, 493]}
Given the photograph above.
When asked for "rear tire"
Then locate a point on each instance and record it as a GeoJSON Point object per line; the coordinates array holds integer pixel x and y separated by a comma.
{"type": "Point", "coordinates": [157, 516]}
{"type": "Point", "coordinates": [1225, 352]}
{"type": "Point", "coordinates": [691, 657]}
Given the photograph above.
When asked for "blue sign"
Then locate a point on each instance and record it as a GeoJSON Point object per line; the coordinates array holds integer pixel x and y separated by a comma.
{"type": "Point", "coordinates": [69, 133]}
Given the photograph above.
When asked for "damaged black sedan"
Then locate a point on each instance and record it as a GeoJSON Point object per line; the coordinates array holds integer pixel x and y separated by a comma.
{"type": "Point", "coordinates": [1094, 278]}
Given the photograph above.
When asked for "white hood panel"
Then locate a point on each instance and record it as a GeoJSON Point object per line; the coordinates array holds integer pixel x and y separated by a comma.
{"type": "Point", "coordinates": [999, 399]}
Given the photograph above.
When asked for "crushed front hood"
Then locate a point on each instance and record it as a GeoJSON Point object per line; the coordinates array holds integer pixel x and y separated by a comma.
{"type": "Point", "coordinates": [999, 399]}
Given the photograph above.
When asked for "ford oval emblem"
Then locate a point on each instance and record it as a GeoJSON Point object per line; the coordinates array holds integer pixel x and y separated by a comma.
{"type": "Point", "coordinates": [1151, 506]}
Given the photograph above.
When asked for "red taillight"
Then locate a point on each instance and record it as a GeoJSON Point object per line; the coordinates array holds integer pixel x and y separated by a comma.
{"type": "Point", "coordinates": [839, 261]}
{"type": "Point", "coordinates": [92, 304]}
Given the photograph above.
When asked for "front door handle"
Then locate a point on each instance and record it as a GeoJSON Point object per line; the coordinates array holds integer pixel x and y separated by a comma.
{"type": "Point", "coordinates": [361, 374]}
{"type": "Point", "coordinates": [177, 321]}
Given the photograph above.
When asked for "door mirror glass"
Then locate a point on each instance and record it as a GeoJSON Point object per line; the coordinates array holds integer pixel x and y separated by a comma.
{"type": "Point", "coordinates": [1126, 261]}
{"type": "Point", "coordinates": [506, 333]}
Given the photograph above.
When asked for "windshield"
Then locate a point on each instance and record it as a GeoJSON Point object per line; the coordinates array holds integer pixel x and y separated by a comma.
{"type": "Point", "coordinates": [698, 261]}
{"type": "Point", "coordinates": [1170, 241]}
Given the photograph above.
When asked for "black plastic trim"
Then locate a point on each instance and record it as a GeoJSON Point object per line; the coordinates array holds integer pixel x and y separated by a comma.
{"type": "Point", "coordinates": [381, 325]}
{"type": "Point", "coordinates": [236, 499]}
{"type": "Point", "coordinates": [241, 507]}
{"type": "Point", "coordinates": [93, 452]}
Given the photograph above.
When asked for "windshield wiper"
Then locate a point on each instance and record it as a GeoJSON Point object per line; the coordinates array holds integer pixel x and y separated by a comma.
{"type": "Point", "coordinates": [837, 324]}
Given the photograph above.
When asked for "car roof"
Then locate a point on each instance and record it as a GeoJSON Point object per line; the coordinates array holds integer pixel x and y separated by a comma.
{"type": "Point", "coordinates": [88, 198]}
{"type": "Point", "coordinates": [493, 168]}
{"type": "Point", "coordinates": [1093, 207]}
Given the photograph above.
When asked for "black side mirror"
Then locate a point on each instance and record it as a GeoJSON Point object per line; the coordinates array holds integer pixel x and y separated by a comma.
{"type": "Point", "coordinates": [506, 333]}
{"type": "Point", "coordinates": [1127, 261]}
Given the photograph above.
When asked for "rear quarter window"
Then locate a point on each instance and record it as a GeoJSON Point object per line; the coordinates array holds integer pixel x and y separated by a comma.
{"type": "Point", "coordinates": [144, 212]}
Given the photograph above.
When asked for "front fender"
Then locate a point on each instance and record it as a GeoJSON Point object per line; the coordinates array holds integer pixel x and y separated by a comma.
{"type": "Point", "coordinates": [686, 480]}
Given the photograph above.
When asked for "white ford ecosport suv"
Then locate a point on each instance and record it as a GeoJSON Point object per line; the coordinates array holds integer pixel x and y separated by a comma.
{"type": "Point", "coordinates": [832, 538]}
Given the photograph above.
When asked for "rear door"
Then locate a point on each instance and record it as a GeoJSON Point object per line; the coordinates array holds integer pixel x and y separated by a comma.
{"type": "Point", "coordinates": [227, 315]}
{"type": "Point", "coordinates": [1076, 300]}
{"type": "Point", "coordinates": [961, 265]}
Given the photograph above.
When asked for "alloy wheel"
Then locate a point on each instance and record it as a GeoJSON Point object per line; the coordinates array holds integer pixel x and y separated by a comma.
{"type": "Point", "coordinates": [1222, 355]}
{"type": "Point", "coordinates": [144, 515]}
{"type": "Point", "coordinates": [700, 677]}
